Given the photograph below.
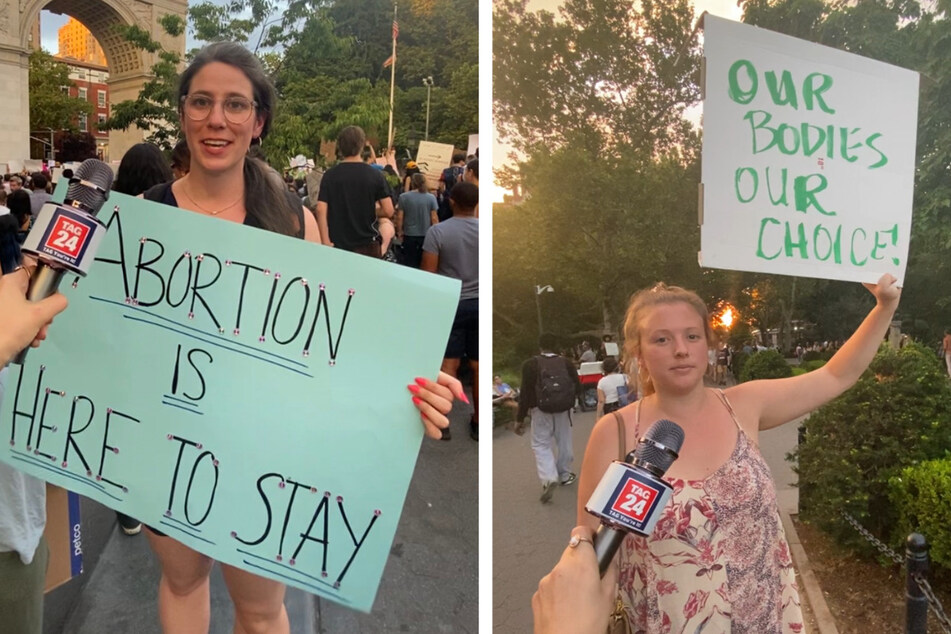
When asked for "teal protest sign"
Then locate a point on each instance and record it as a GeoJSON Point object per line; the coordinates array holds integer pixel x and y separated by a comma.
{"type": "Point", "coordinates": [808, 157]}
{"type": "Point", "coordinates": [241, 391]}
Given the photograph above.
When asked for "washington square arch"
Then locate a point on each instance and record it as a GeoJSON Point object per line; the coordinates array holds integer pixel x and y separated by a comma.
{"type": "Point", "coordinates": [129, 66]}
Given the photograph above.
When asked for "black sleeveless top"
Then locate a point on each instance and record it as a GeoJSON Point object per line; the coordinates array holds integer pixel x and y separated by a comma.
{"type": "Point", "coordinates": [162, 193]}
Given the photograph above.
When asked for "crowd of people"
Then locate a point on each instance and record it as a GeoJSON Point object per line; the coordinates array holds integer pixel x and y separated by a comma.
{"type": "Point", "coordinates": [226, 108]}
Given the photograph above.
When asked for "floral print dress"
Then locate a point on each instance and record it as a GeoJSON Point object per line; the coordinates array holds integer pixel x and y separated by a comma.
{"type": "Point", "coordinates": [717, 560]}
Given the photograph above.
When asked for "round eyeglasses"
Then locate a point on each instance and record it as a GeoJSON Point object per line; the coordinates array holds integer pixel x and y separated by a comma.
{"type": "Point", "coordinates": [237, 109]}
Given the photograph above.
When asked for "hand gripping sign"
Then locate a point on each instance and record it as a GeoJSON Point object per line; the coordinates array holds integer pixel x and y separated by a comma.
{"type": "Point", "coordinates": [808, 157]}
{"type": "Point", "coordinates": [232, 388]}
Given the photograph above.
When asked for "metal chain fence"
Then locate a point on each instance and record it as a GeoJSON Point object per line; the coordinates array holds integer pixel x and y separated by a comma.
{"type": "Point", "coordinates": [919, 578]}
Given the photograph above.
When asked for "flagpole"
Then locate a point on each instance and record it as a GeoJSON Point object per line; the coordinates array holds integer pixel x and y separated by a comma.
{"type": "Point", "coordinates": [389, 142]}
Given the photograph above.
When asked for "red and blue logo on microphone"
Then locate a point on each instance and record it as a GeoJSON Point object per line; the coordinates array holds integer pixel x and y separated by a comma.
{"type": "Point", "coordinates": [635, 500]}
{"type": "Point", "coordinates": [629, 497]}
{"type": "Point", "coordinates": [67, 237]}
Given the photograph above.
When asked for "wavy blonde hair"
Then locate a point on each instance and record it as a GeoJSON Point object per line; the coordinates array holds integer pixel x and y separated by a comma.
{"type": "Point", "coordinates": [643, 301]}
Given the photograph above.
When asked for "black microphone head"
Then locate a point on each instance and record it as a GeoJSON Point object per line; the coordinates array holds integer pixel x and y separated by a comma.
{"type": "Point", "coordinates": [660, 445]}
{"type": "Point", "coordinates": [90, 185]}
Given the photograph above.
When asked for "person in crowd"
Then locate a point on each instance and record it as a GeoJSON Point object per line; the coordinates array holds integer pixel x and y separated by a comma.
{"type": "Point", "coordinates": [946, 346]}
{"type": "Point", "coordinates": [573, 597]}
{"type": "Point", "coordinates": [452, 249]}
{"type": "Point", "coordinates": [610, 386]}
{"type": "Point", "coordinates": [142, 167]}
{"type": "Point", "coordinates": [411, 169]}
{"type": "Point", "coordinates": [549, 386]}
{"type": "Point", "coordinates": [40, 196]}
{"type": "Point", "coordinates": [9, 242]}
{"type": "Point", "coordinates": [16, 184]}
{"type": "Point", "coordinates": [415, 214]}
{"type": "Point", "coordinates": [181, 159]}
{"type": "Point", "coordinates": [24, 553]}
{"type": "Point", "coordinates": [447, 180]}
{"type": "Point", "coordinates": [587, 354]}
{"type": "Point", "coordinates": [19, 203]}
{"type": "Point", "coordinates": [385, 227]}
{"type": "Point", "coordinates": [352, 196]}
{"type": "Point", "coordinates": [3, 203]}
{"type": "Point", "coordinates": [720, 536]}
{"type": "Point", "coordinates": [471, 174]}
{"type": "Point", "coordinates": [504, 396]}
{"type": "Point", "coordinates": [226, 105]}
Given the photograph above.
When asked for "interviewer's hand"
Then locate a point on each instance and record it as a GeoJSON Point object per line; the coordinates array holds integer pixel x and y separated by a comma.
{"type": "Point", "coordinates": [24, 322]}
{"type": "Point", "coordinates": [572, 598]}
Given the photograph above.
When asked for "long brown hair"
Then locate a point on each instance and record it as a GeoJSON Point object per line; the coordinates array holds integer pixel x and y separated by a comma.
{"type": "Point", "coordinates": [266, 203]}
{"type": "Point", "coordinates": [643, 301]}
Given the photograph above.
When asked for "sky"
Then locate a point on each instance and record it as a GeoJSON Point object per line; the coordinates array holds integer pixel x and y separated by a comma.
{"type": "Point", "coordinates": [723, 8]}
{"type": "Point", "coordinates": [50, 23]}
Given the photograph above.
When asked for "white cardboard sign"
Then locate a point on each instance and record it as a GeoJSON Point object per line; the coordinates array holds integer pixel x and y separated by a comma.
{"type": "Point", "coordinates": [808, 157]}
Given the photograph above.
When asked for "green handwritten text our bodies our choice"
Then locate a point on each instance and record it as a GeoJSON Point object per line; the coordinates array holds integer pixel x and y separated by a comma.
{"type": "Point", "coordinates": [790, 239]}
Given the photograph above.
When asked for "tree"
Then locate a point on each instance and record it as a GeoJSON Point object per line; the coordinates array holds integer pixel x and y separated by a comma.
{"type": "Point", "coordinates": [328, 75]}
{"type": "Point", "coordinates": [75, 146]}
{"type": "Point", "coordinates": [611, 168]}
{"type": "Point", "coordinates": [51, 108]}
{"type": "Point", "coordinates": [156, 108]}
{"type": "Point", "coordinates": [907, 34]}
{"type": "Point", "coordinates": [604, 65]}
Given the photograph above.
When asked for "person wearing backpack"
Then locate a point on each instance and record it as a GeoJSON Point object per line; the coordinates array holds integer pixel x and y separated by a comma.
{"type": "Point", "coordinates": [447, 180]}
{"type": "Point", "coordinates": [549, 387]}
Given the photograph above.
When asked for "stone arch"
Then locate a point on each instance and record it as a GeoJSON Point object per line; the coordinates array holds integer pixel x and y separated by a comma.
{"type": "Point", "coordinates": [129, 67]}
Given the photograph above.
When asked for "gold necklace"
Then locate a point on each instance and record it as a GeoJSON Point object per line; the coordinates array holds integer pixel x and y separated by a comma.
{"type": "Point", "coordinates": [211, 213]}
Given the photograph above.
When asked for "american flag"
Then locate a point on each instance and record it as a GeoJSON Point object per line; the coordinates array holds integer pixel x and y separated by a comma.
{"type": "Point", "coordinates": [396, 29]}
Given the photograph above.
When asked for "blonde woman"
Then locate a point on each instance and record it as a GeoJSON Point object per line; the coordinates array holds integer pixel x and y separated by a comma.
{"type": "Point", "coordinates": [717, 559]}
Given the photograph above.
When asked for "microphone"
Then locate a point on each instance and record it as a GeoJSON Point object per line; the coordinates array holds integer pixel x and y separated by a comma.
{"type": "Point", "coordinates": [64, 239]}
{"type": "Point", "coordinates": [631, 494]}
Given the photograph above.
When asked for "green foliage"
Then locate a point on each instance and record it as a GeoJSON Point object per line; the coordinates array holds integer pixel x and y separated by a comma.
{"type": "Point", "coordinates": [325, 59]}
{"type": "Point", "coordinates": [619, 65]}
{"type": "Point", "coordinates": [921, 495]}
{"type": "Point", "coordinates": [156, 109]}
{"type": "Point", "coordinates": [765, 364]}
{"type": "Point", "coordinates": [814, 364]}
{"type": "Point", "coordinates": [50, 107]}
{"type": "Point", "coordinates": [738, 361]}
{"type": "Point", "coordinates": [896, 416]}
{"type": "Point", "coordinates": [75, 146]}
{"type": "Point", "coordinates": [817, 355]}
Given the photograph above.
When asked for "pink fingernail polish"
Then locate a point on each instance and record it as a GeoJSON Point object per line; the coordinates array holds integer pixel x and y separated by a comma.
{"type": "Point", "coordinates": [462, 397]}
{"type": "Point", "coordinates": [420, 381]}
{"type": "Point", "coordinates": [417, 400]}
{"type": "Point", "coordinates": [413, 388]}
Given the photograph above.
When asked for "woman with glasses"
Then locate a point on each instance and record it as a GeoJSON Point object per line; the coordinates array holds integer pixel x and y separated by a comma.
{"type": "Point", "coordinates": [226, 105]}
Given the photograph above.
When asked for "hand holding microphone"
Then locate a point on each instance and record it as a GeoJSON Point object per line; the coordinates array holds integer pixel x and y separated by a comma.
{"type": "Point", "coordinates": [64, 239]}
{"type": "Point", "coordinates": [631, 495]}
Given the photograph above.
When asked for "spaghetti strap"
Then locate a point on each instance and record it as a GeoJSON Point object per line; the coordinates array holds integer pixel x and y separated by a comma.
{"type": "Point", "coordinates": [729, 408]}
{"type": "Point", "coordinates": [637, 420]}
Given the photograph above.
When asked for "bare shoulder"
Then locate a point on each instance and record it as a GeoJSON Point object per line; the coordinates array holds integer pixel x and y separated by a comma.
{"type": "Point", "coordinates": [311, 230]}
{"type": "Point", "coordinates": [746, 400]}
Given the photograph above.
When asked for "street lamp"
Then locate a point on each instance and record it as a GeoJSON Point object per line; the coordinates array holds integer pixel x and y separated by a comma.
{"type": "Point", "coordinates": [428, 82]}
{"type": "Point", "coordinates": [547, 288]}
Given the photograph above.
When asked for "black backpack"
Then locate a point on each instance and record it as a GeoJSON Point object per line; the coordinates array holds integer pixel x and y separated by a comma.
{"type": "Point", "coordinates": [554, 388]}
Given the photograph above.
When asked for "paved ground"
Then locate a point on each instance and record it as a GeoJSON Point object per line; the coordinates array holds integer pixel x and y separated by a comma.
{"type": "Point", "coordinates": [529, 536]}
{"type": "Point", "coordinates": [430, 583]}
